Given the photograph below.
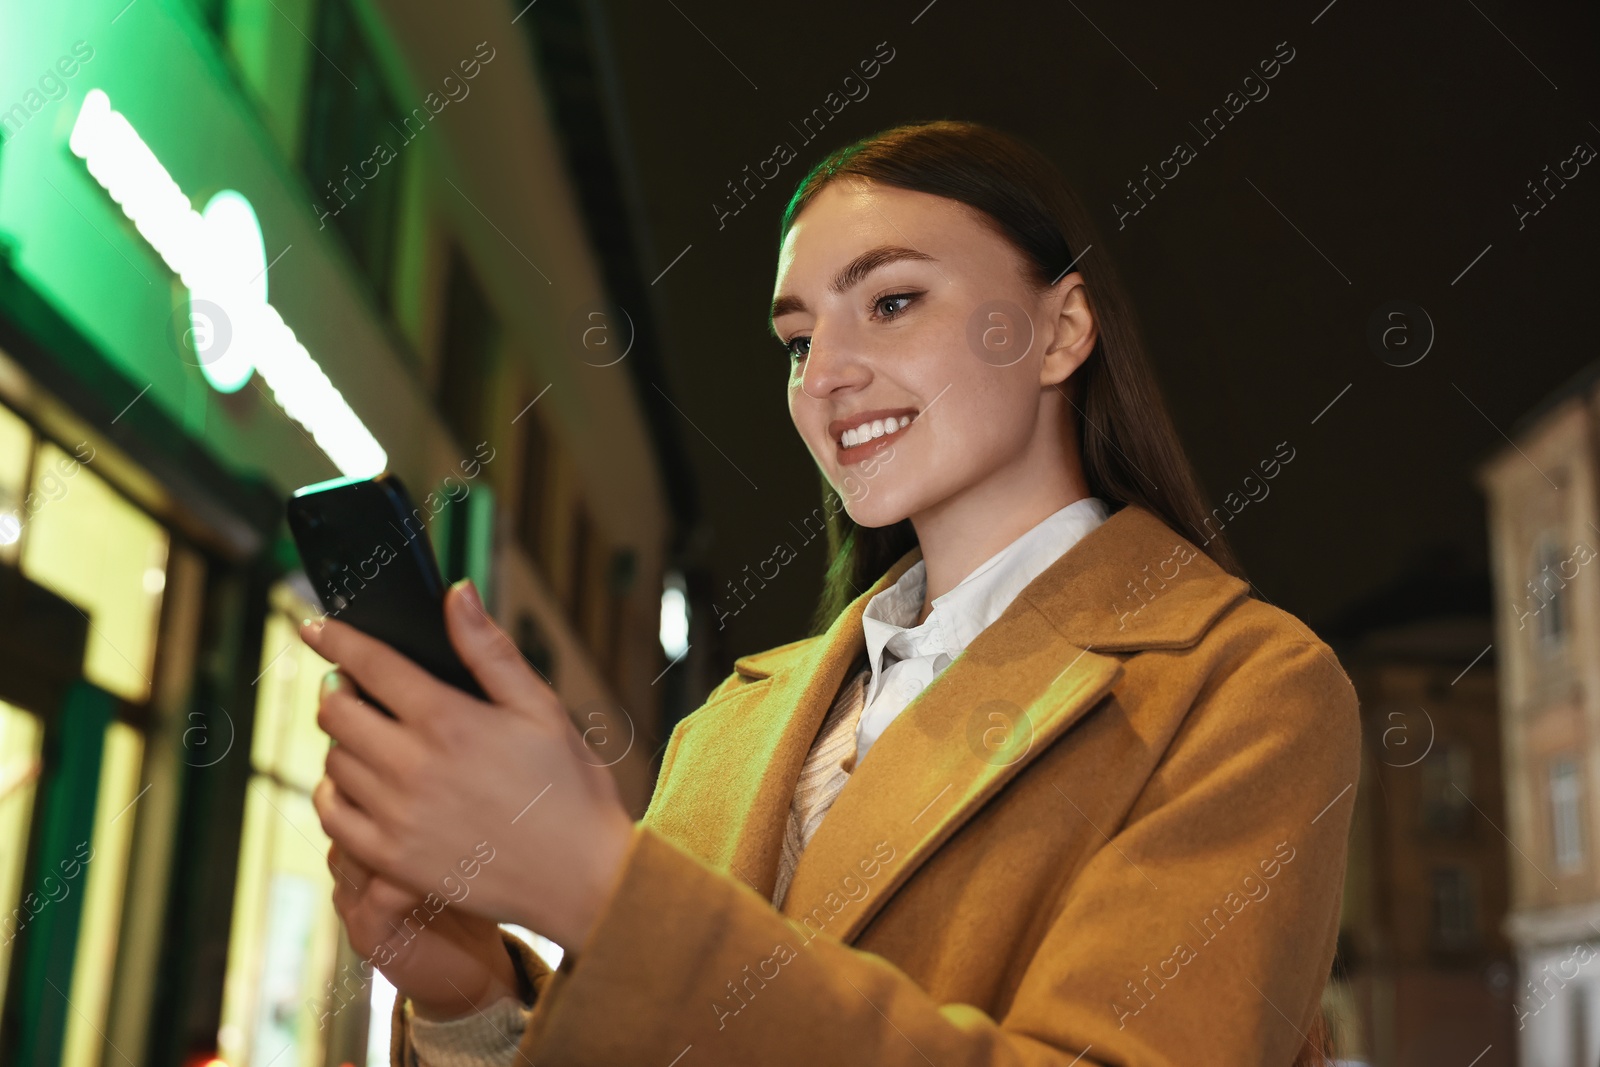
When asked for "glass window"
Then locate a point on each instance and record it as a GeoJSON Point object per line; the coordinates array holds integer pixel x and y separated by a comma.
{"type": "Point", "coordinates": [534, 644]}
{"type": "Point", "coordinates": [1566, 816]}
{"type": "Point", "coordinates": [285, 932]}
{"type": "Point", "coordinates": [71, 532]}
{"type": "Point", "coordinates": [96, 957]}
{"type": "Point", "coordinates": [533, 524]}
{"type": "Point", "coordinates": [16, 453]}
{"type": "Point", "coordinates": [86, 543]}
{"type": "Point", "coordinates": [621, 573]}
{"type": "Point", "coordinates": [1446, 784]}
{"type": "Point", "coordinates": [354, 138]}
{"type": "Point", "coordinates": [268, 43]}
{"type": "Point", "coordinates": [21, 737]}
{"type": "Point", "coordinates": [465, 364]}
{"type": "Point", "coordinates": [1578, 1033]}
{"type": "Point", "coordinates": [1546, 593]}
{"type": "Point", "coordinates": [1455, 922]}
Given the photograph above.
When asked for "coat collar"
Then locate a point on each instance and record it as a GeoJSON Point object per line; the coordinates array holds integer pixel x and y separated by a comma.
{"type": "Point", "coordinates": [1132, 583]}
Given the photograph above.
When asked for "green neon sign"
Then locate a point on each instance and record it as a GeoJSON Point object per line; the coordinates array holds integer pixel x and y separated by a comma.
{"type": "Point", "coordinates": [220, 256]}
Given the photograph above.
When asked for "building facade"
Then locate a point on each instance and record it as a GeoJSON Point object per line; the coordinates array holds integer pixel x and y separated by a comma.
{"type": "Point", "coordinates": [1545, 534]}
{"type": "Point", "coordinates": [247, 245]}
{"type": "Point", "coordinates": [1425, 970]}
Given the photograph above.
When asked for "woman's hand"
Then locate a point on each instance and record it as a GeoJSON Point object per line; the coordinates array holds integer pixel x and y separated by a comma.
{"type": "Point", "coordinates": [448, 962]}
{"type": "Point", "coordinates": [500, 796]}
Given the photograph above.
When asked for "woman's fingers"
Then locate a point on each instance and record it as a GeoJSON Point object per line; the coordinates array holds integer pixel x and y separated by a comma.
{"type": "Point", "coordinates": [348, 875]}
{"type": "Point", "coordinates": [388, 899]}
{"type": "Point", "coordinates": [358, 726]}
{"type": "Point", "coordinates": [392, 680]}
{"type": "Point", "coordinates": [350, 881]}
{"type": "Point", "coordinates": [359, 783]}
{"type": "Point", "coordinates": [491, 656]}
{"type": "Point", "coordinates": [360, 874]}
{"type": "Point", "coordinates": [354, 830]}
{"type": "Point", "coordinates": [366, 902]}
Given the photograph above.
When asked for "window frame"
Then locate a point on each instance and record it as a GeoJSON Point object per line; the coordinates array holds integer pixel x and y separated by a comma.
{"type": "Point", "coordinates": [1564, 788]}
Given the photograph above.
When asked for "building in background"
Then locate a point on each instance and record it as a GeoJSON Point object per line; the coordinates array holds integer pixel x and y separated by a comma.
{"type": "Point", "coordinates": [1425, 971]}
{"type": "Point", "coordinates": [247, 245]}
{"type": "Point", "coordinates": [1545, 535]}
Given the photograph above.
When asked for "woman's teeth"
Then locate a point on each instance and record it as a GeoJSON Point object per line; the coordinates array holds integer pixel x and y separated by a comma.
{"type": "Point", "coordinates": [876, 428]}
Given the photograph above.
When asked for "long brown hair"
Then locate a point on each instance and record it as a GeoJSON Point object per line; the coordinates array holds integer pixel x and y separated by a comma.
{"type": "Point", "coordinates": [1130, 448]}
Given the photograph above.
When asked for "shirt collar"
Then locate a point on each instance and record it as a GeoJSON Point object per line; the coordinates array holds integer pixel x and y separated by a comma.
{"type": "Point", "coordinates": [959, 615]}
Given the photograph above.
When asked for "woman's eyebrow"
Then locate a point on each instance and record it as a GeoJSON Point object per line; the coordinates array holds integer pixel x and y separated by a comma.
{"type": "Point", "coordinates": [853, 272]}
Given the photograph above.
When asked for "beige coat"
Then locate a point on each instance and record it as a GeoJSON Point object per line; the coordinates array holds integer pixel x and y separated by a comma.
{"type": "Point", "coordinates": [1112, 831]}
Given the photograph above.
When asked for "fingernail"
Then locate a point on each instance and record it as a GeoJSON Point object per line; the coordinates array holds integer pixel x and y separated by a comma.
{"type": "Point", "coordinates": [330, 682]}
{"type": "Point", "coordinates": [311, 630]}
{"type": "Point", "coordinates": [470, 590]}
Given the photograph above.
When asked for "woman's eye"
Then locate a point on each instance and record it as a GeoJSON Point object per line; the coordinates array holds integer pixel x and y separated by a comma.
{"type": "Point", "coordinates": [890, 306]}
{"type": "Point", "coordinates": [794, 347]}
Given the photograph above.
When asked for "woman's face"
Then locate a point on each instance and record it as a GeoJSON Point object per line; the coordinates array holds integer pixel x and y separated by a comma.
{"type": "Point", "coordinates": [899, 305]}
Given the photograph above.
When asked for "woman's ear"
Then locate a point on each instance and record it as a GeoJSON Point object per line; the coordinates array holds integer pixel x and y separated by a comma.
{"type": "Point", "coordinates": [1074, 329]}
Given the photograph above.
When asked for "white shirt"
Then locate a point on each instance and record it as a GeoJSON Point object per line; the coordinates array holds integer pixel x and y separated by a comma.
{"type": "Point", "coordinates": [906, 657]}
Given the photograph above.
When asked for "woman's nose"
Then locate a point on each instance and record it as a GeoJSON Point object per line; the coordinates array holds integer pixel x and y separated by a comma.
{"type": "Point", "coordinates": [832, 362]}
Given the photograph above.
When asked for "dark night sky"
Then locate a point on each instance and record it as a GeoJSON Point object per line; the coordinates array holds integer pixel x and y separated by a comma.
{"type": "Point", "coordinates": [1386, 157]}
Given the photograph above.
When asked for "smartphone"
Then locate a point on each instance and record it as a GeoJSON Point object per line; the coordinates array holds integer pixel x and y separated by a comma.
{"type": "Point", "coordinates": [365, 549]}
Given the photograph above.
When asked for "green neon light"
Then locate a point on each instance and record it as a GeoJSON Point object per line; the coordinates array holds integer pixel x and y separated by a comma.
{"type": "Point", "coordinates": [219, 257]}
{"type": "Point", "coordinates": [222, 317]}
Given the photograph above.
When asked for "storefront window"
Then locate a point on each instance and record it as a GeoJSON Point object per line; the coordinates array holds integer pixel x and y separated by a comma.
{"type": "Point", "coordinates": [285, 931]}
{"type": "Point", "coordinates": [20, 739]}
{"type": "Point", "coordinates": [20, 733]}
{"type": "Point", "coordinates": [86, 543]}
{"type": "Point", "coordinates": [16, 450]}
{"type": "Point", "coordinates": [95, 961]}
{"type": "Point", "coordinates": [69, 531]}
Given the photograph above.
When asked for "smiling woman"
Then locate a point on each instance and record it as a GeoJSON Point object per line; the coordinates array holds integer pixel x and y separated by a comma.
{"type": "Point", "coordinates": [998, 232]}
{"type": "Point", "coordinates": [1050, 787]}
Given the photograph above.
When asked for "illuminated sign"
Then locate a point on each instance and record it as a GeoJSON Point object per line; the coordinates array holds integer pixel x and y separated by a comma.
{"type": "Point", "coordinates": [220, 256]}
{"type": "Point", "coordinates": [225, 307]}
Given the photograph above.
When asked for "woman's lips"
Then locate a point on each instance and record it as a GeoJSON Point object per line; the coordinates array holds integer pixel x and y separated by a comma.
{"type": "Point", "coordinates": [856, 453]}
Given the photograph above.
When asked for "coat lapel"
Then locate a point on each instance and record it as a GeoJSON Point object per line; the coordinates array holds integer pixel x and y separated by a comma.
{"type": "Point", "coordinates": [1022, 683]}
{"type": "Point", "coordinates": [747, 748]}
{"type": "Point", "coordinates": [1015, 689]}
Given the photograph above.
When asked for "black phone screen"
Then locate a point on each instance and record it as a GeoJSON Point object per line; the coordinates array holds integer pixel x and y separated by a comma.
{"type": "Point", "coordinates": [365, 549]}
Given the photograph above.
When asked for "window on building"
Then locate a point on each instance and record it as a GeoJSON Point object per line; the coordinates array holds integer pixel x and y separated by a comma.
{"type": "Point", "coordinates": [1579, 1022]}
{"type": "Point", "coordinates": [121, 762]}
{"type": "Point", "coordinates": [466, 353]}
{"type": "Point", "coordinates": [282, 948]}
{"type": "Point", "coordinates": [1566, 798]}
{"type": "Point", "coordinates": [1455, 920]}
{"type": "Point", "coordinates": [1546, 593]}
{"type": "Point", "coordinates": [72, 532]}
{"type": "Point", "coordinates": [354, 145]}
{"type": "Point", "coordinates": [601, 618]}
{"type": "Point", "coordinates": [16, 460]}
{"type": "Point", "coordinates": [86, 543]}
{"type": "Point", "coordinates": [534, 645]}
{"type": "Point", "coordinates": [21, 740]}
{"type": "Point", "coordinates": [1446, 786]}
{"type": "Point", "coordinates": [533, 525]}
{"type": "Point", "coordinates": [620, 578]}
